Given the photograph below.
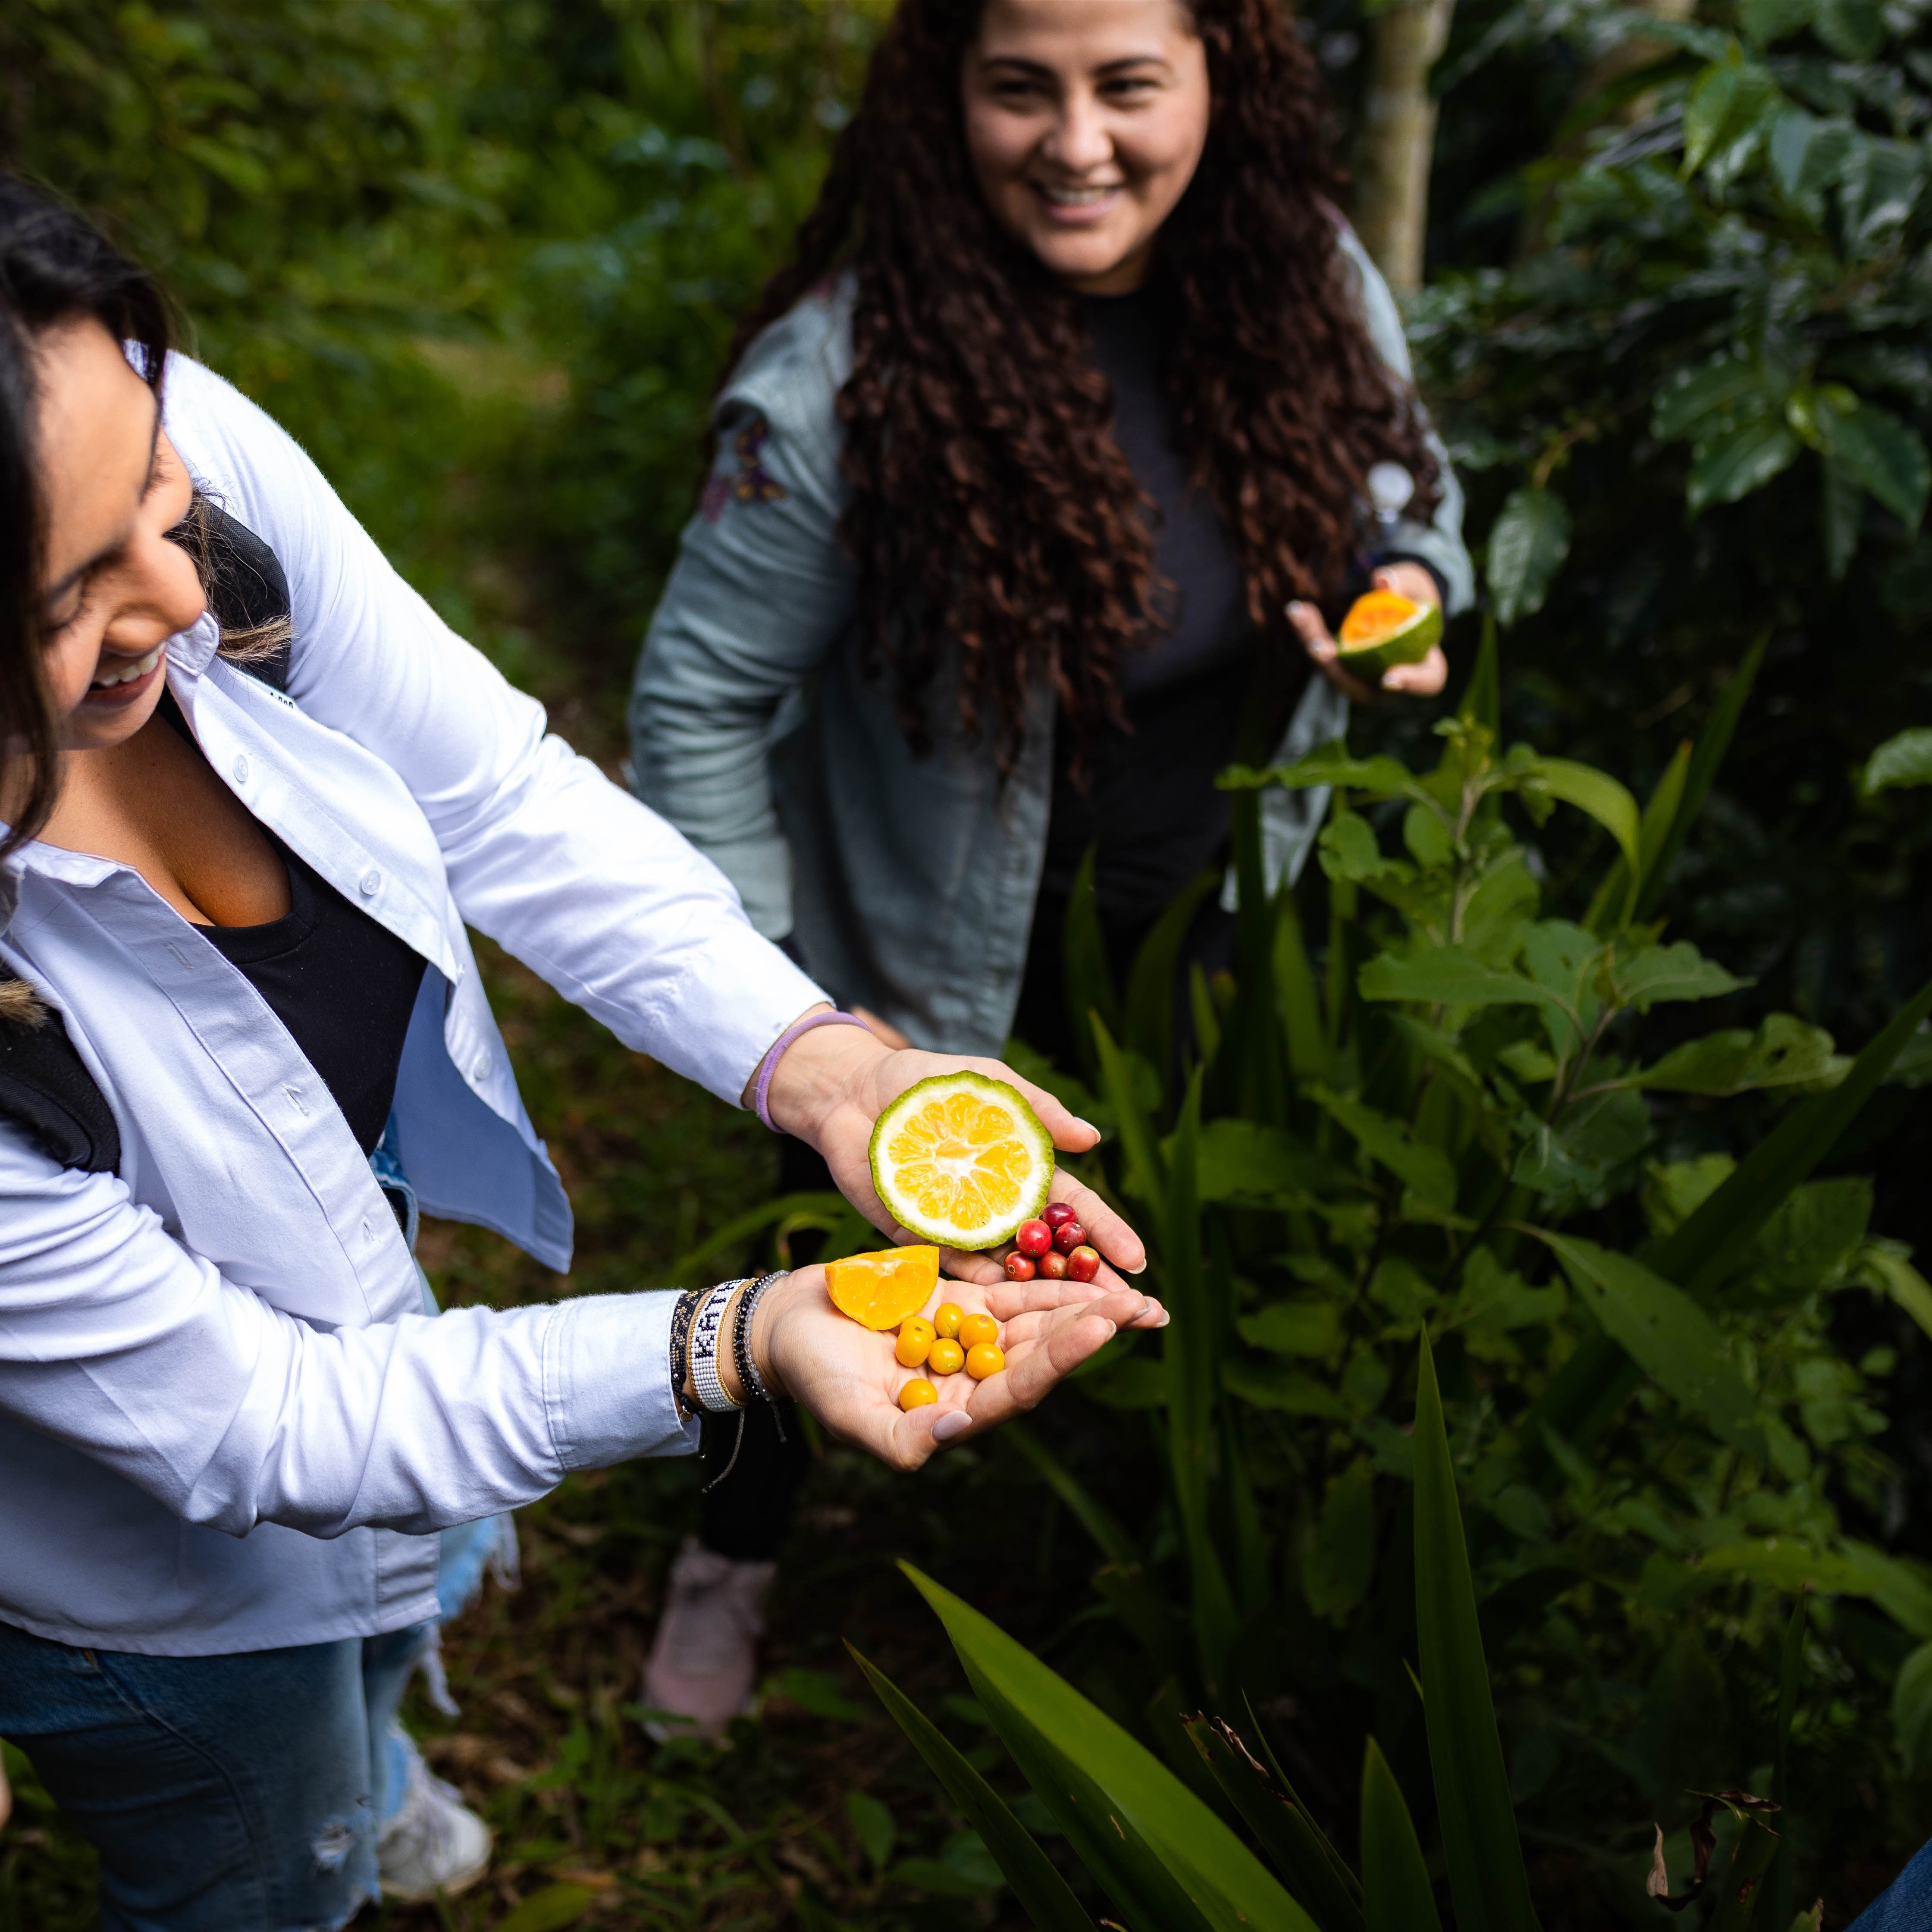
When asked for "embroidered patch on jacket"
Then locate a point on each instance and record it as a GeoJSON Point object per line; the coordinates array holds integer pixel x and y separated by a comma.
{"type": "Point", "coordinates": [753, 484]}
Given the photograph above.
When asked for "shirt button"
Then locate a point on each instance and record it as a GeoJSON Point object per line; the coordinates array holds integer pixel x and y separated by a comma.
{"type": "Point", "coordinates": [242, 770]}
{"type": "Point", "coordinates": [482, 1068]}
{"type": "Point", "coordinates": [371, 883]}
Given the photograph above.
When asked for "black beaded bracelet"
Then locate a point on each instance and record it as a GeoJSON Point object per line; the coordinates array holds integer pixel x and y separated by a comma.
{"type": "Point", "coordinates": [741, 1346]}
{"type": "Point", "coordinates": [680, 1349]}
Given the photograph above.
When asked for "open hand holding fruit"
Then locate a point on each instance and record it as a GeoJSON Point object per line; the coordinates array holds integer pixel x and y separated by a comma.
{"type": "Point", "coordinates": [851, 1376]}
{"type": "Point", "coordinates": [1422, 678]}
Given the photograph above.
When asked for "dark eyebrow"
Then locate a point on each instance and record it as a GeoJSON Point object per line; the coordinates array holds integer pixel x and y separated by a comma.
{"type": "Point", "coordinates": [1039, 67]}
{"type": "Point", "coordinates": [54, 591]}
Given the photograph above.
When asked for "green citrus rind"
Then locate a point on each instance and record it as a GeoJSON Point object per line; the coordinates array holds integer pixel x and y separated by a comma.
{"type": "Point", "coordinates": [1410, 645]}
{"type": "Point", "coordinates": [907, 1211]}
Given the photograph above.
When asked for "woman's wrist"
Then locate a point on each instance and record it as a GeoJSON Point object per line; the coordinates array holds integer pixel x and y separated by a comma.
{"type": "Point", "coordinates": [815, 1074]}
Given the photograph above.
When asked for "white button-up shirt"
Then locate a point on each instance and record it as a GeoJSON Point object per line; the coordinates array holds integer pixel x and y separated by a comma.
{"type": "Point", "coordinates": [225, 1423]}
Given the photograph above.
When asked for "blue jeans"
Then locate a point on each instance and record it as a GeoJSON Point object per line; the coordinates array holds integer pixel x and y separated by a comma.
{"type": "Point", "coordinates": [1906, 1904]}
{"type": "Point", "coordinates": [242, 1793]}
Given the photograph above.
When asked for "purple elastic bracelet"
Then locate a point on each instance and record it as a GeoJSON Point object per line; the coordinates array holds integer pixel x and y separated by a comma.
{"type": "Point", "coordinates": [761, 1094]}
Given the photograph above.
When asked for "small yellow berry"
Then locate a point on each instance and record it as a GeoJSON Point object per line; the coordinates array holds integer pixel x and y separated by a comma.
{"type": "Point", "coordinates": [917, 1393]}
{"type": "Point", "coordinates": [945, 1357]}
{"type": "Point", "coordinates": [977, 1328]}
{"type": "Point", "coordinates": [946, 1319]}
{"type": "Point", "coordinates": [984, 1359]}
{"type": "Point", "coordinates": [915, 1341]}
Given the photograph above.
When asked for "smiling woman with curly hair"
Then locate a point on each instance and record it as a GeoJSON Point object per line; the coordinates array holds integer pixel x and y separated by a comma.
{"type": "Point", "coordinates": [1035, 472]}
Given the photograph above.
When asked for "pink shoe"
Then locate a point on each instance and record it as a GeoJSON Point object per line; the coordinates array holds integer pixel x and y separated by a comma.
{"type": "Point", "coordinates": [703, 1663]}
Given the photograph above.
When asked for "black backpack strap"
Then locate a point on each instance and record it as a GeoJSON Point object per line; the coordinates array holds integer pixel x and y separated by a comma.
{"type": "Point", "coordinates": [46, 1087]}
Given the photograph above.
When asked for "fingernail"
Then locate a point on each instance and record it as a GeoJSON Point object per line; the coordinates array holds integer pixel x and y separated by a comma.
{"type": "Point", "coordinates": [954, 1422]}
{"type": "Point", "coordinates": [1295, 609]}
{"type": "Point", "coordinates": [1143, 1308]}
{"type": "Point", "coordinates": [1087, 1124]}
{"type": "Point", "coordinates": [1141, 1270]}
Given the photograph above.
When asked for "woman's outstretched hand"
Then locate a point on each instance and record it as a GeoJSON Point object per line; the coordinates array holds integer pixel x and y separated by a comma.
{"type": "Point", "coordinates": [848, 1377]}
{"type": "Point", "coordinates": [1417, 680]}
{"type": "Point", "coordinates": [835, 1082]}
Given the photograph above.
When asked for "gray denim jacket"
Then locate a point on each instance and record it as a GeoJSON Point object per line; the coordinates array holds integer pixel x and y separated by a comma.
{"type": "Point", "coordinates": [906, 885]}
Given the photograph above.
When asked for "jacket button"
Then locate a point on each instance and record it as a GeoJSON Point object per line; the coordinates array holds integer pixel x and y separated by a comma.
{"type": "Point", "coordinates": [241, 768]}
{"type": "Point", "coordinates": [482, 1068]}
{"type": "Point", "coordinates": [371, 883]}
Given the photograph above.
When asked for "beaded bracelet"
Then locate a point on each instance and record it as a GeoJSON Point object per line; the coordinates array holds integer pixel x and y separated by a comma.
{"type": "Point", "coordinates": [761, 1093]}
{"type": "Point", "coordinates": [706, 1329]}
{"type": "Point", "coordinates": [680, 1350]}
{"type": "Point", "coordinates": [741, 1346]}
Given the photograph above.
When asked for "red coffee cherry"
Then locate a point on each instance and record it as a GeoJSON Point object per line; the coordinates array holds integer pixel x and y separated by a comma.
{"type": "Point", "coordinates": [1053, 1265]}
{"type": "Point", "coordinates": [1034, 1237]}
{"type": "Point", "coordinates": [1019, 1267]}
{"type": "Point", "coordinates": [1083, 1264]}
{"type": "Point", "coordinates": [1055, 1212]}
{"type": "Point", "coordinates": [1068, 1236]}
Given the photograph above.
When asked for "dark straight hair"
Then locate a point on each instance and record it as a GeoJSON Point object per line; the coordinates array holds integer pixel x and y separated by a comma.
{"type": "Point", "coordinates": [55, 267]}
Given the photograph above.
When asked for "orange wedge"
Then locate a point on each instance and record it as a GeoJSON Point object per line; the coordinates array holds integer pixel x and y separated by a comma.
{"type": "Point", "coordinates": [880, 1290]}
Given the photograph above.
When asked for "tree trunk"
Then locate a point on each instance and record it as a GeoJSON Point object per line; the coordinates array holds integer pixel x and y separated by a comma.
{"type": "Point", "coordinates": [1398, 138]}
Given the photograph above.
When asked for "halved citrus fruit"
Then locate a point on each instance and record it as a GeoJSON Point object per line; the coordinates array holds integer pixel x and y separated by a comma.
{"type": "Point", "coordinates": [880, 1290]}
{"type": "Point", "coordinates": [961, 1160]}
{"type": "Point", "coordinates": [1384, 629]}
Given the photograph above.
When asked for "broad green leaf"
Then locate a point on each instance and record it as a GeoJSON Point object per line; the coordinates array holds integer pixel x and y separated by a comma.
{"type": "Point", "coordinates": [1594, 1137]}
{"type": "Point", "coordinates": [1478, 1818]}
{"type": "Point", "coordinates": [1666, 1333]}
{"type": "Point", "coordinates": [1245, 1160]}
{"type": "Point", "coordinates": [1811, 1241]}
{"type": "Point", "coordinates": [1396, 1894]}
{"type": "Point", "coordinates": [1329, 764]}
{"type": "Point", "coordinates": [1737, 461]}
{"type": "Point", "coordinates": [1892, 1267]}
{"type": "Point", "coordinates": [1793, 135]}
{"type": "Point", "coordinates": [1613, 898]}
{"type": "Point", "coordinates": [1146, 1175]}
{"type": "Point", "coordinates": [1337, 1564]}
{"type": "Point", "coordinates": [1692, 394]}
{"type": "Point", "coordinates": [1783, 1052]}
{"type": "Point", "coordinates": [1293, 1328]}
{"type": "Point", "coordinates": [1163, 1855]}
{"type": "Point", "coordinates": [1527, 543]}
{"type": "Point", "coordinates": [1911, 1706]}
{"type": "Point", "coordinates": [1785, 1563]}
{"type": "Point", "coordinates": [1899, 1587]}
{"type": "Point", "coordinates": [1044, 1896]}
{"type": "Point", "coordinates": [1294, 1845]}
{"type": "Point", "coordinates": [1661, 973]}
{"type": "Point", "coordinates": [1425, 1169]}
{"type": "Point", "coordinates": [1699, 1254]}
{"type": "Point", "coordinates": [1768, 20]}
{"type": "Point", "coordinates": [1565, 960]}
{"type": "Point", "coordinates": [1709, 109]}
{"type": "Point", "coordinates": [1854, 29]}
{"type": "Point", "coordinates": [549, 1909]}
{"type": "Point", "coordinates": [1276, 1386]}
{"type": "Point", "coordinates": [1882, 456]}
{"type": "Point", "coordinates": [1598, 795]}
{"type": "Point", "coordinates": [1905, 760]}
{"type": "Point", "coordinates": [1451, 976]}
{"type": "Point", "coordinates": [872, 1823]}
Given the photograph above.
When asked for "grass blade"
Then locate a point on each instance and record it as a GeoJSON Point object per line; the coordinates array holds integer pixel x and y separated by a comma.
{"type": "Point", "coordinates": [1293, 1845]}
{"type": "Point", "coordinates": [1351, 1884]}
{"type": "Point", "coordinates": [1296, 995]}
{"type": "Point", "coordinates": [1152, 985]}
{"type": "Point", "coordinates": [1045, 1896]}
{"type": "Point", "coordinates": [1396, 1894]}
{"type": "Point", "coordinates": [1486, 1868]}
{"type": "Point", "coordinates": [1146, 1177]}
{"type": "Point", "coordinates": [1090, 979]}
{"type": "Point", "coordinates": [1660, 815]}
{"type": "Point", "coordinates": [1713, 743]}
{"type": "Point", "coordinates": [1482, 696]}
{"type": "Point", "coordinates": [1169, 1862]}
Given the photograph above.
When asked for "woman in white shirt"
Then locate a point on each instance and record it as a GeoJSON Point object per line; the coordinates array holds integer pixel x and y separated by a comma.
{"type": "Point", "coordinates": [230, 1431]}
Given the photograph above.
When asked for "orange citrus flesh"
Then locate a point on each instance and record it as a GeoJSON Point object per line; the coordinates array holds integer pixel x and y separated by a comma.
{"type": "Point", "coordinates": [1373, 615]}
{"type": "Point", "coordinates": [959, 1160]}
{"type": "Point", "coordinates": [880, 1290]}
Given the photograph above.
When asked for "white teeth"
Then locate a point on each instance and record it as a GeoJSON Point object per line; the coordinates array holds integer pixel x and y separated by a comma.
{"type": "Point", "coordinates": [1077, 197]}
{"type": "Point", "coordinates": [138, 667]}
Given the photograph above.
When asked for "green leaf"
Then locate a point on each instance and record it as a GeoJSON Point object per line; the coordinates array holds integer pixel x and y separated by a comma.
{"type": "Point", "coordinates": [1596, 793]}
{"type": "Point", "coordinates": [1527, 543]}
{"type": "Point", "coordinates": [1482, 697]}
{"type": "Point", "coordinates": [1297, 995]}
{"type": "Point", "coordinates": [1477, 1817]}
{"type": "Point", "coordinates": [1427, 1169]}
{"type": "Point", "coordinates": [1613, 898]}
{"type": "Point", "coordinates": [1044, 1896]}
{"type": "Point", "coordinates": [1294, 1845]}
{"type": "Point", "coordinates": [549, 1909]}
{"type": "Point", "coordinates": [1783, 1052]}
{"type": "Point", "coordinates": [1713, 743]}
{"type": "Point", "coordinates": [1146, 1175]}
{"type": "Point", "coordinates": [1699, 1254]}
{"type": "Point", "coordinates": [1663, 973]}
{"type": "Point", "coordinates": [1882, 456]}
{"type": "Point", "coordinates": [1854, 29]}
{"type": "Point", "coordinates": [1898, 1278]}
{"type": "Point", "coordinates": [1709, 109]}
{"type": "Point", "coordinates": [1668, 1335]}
{"type": "Point", "coordinates": [1089, 979]}
{"type": "Point", "coordinates": [1911, 1707]}
{"type": "Point", "coordinates": [1161, 1854]}
{"type": "Point", "coordinates": [1149, 1018]}
{"type": "Point", "coordinates": [872, 1823]}
{"type": "Point", "coordinates": [941, 1880]}
{"type": "Point", "coordinates": [1274, 1385]}
{"type": "Point", "coordinates": [1329, 764]}
{"type": "Point", "coordinates": [1337, 1564]}
{"type": "Point", "coordinates": [1724, 386]}
{"type": "Point", "coordinates": [1451, 976]}
{"type": "Point", "coordinates": [1595, 1136]}
{"type": "Point", "coordinates": [1768, 20]}
{"type": "Point", "coordinates": [1245, 1160]}
{"type": "Point", "coordinates": [1841, 509]}
{"type": "Point", "coordinates": [1905, 760]}
{"type": "Point", "coordinates": [1293, 1328]}
{"type": "Point", "coordinates": [1737, 461]}
{"type": "Point", "coordinates": [815, 1694]}
{"type": "Point", "coordinates": [1396, 1894]}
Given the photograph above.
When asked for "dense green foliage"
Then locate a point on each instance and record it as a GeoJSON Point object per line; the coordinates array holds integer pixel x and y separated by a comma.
{"type": "Point", "coordinates": [484, 257]}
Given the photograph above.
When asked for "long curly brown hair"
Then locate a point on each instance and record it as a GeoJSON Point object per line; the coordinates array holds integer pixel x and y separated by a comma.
{"type": "Point", "coordinates": [993, 515]}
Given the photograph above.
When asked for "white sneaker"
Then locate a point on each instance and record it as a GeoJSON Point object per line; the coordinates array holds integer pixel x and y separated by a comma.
{"type": "Point", "coordinates": [704, 1659]}
{"type": "Point", "coordinates": [434, 1846]}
